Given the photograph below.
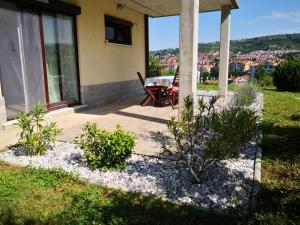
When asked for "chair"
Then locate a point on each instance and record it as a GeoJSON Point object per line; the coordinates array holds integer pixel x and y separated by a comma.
{"type": "Point", "coordinates": [173, 91]}
{"type": "Point", "coordinates": [150, 91]}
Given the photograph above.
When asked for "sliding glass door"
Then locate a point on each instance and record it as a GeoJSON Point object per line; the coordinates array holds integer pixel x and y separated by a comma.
{"type": "Point", "coordinates": [37, 59]}
{"type": "Point", "coordinates": [21, 71]}
{"type": "Point", "coordinates": [60, 59]}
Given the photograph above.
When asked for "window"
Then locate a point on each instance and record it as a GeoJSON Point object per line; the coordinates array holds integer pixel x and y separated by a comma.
{"type": "Point", "coordinates": [118, 31]}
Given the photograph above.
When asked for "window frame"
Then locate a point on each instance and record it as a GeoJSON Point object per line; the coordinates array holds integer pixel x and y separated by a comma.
{"type": "Point", "coordinates": [118, 24]}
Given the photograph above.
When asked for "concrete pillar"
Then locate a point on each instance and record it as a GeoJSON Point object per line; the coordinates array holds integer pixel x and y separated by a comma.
{"type": "Point", "coordinates": [188, 49]}
{"type": "Point", "coordinates": [224, 50]}
{"type": "Point", "coordinates": [2, 108]}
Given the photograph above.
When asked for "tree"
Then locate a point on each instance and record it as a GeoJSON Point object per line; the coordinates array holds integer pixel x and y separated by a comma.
{"type": "Point", "coordinates": [214, 72]}
{"type": "Point", "coordinates": [286, 76]}
{"type": "Point", "coordinates": [261, 75]}
{"type": "Point", "coordinates": [204, 135]}
{"type": "Point", "coordinates": [205, 75]}
{"type": "Point", "coordinates": [154, 62]}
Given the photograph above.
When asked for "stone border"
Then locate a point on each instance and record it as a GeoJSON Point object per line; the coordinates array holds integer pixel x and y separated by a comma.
{"type": "Point", "coordinates": [256, 177]}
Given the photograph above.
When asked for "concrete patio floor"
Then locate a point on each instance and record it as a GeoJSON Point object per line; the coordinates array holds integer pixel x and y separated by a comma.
{"type": "Point", "coordinates": [145, 122]}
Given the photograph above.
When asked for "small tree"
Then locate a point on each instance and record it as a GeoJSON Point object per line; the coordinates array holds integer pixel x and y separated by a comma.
{"type": "Point", "coordinates": [286, 76]}
{"type": "Point", "coordinates": [205, 136]}
{"type": "Point", "coordinates": [205, 76]}
{"type": "Point", "coordinates": [154, 63]}
{"type": "Point", "coordinates": [35, 135]}
{"type": "Point", "coordinates": [214, 72]}
{"type": "Point", "coordinates": [261, 75]}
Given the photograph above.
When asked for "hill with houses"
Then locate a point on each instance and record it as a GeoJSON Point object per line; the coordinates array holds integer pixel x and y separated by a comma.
{"type": "Point", "coordinates": [273, 42]}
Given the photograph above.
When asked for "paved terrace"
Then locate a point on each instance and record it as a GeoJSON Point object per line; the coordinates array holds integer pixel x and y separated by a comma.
{"type": "Point", "coordinates": [145, 122]}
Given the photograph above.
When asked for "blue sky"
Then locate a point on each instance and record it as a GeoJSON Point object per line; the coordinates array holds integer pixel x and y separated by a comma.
{"type": "Point", "coordinates": [254, 18]}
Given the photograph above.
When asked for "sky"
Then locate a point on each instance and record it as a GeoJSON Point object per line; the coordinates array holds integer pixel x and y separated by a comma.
{"type": "Point", "coordinates": [254, 18]}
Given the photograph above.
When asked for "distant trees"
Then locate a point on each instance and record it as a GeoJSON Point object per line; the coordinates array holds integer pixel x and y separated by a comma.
{"type": "Point", "coordinates": [214, 72]}
{"type": "Point", "coordinates": [262, 76]}
{"type": "Point", "coordinates": [154, 63]}
{"type": "Point", "coordinates": [205, 76]}
{"type": "Point", "coordinates": [286, 76]}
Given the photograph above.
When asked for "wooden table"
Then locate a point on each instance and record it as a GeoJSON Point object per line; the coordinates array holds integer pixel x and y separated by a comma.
{"type": "Point", "coordinates": [159, 84]}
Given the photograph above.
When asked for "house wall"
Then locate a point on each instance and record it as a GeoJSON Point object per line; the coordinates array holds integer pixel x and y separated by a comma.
{"type": "Point", "coordinates": [108, 71]}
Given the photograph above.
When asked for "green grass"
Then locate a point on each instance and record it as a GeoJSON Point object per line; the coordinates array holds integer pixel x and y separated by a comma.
{"type": "Point", "coordinates": [40, 196]}
{"type": "Point", "coordinates": [279, 201]}
{"type": "Point", "coordinates": [214, 87]}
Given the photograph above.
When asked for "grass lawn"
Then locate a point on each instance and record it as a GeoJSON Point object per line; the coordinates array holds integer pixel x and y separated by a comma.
{"type": "Point", "coordinates": [39, 196]}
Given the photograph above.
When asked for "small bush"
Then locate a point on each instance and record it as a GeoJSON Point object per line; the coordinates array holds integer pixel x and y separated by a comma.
{"type": "Point", "coordinates": [262, 77]}
{"type": "Point", "coordinates": [35, 136]}
{"type": "Point", "coordinates": [105, 150]}
{"type": "Point", "coordinates": [246, 95]}
{"type": "Point", "coordinates": [286, 76]}
{"type": "Point", "coordinates": [295, 117]}
{"type": "Point", "coordinates": [205, 136]}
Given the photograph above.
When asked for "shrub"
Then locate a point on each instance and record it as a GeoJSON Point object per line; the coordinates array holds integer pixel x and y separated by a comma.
{"type": "Point", "coordinates": [268, 81]}
{"type": "Point", "coordinates": [205, 76]}
{"type": "Point", "coordinates": [246, 95]}
{"type": "Point", "coordinates": [105, 150]}
{"type": "Point", "coordinates": [166, 72]}
{"type": "Point", "coordinates": [263, 77]}
{"type": "Point", "coordinates": [205, 136]}
{"type": "Point", "coordinates": [35, 136]}
{"type": "Point", "coordinates": [295, 117]}
{"type": "Point", "coordinates": [286, 76]}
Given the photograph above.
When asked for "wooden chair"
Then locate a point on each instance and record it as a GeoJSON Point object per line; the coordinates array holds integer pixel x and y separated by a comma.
{"type": "Point", "coordinates": [150, 91]}
{"type": "Point", "coordinates": [173, 91]}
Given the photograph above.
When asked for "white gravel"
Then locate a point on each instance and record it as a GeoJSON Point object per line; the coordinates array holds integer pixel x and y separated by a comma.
{"type": "Point", "coordinates": [228, 185]}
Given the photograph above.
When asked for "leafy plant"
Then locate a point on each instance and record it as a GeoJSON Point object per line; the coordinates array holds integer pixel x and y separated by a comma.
{"type": "Point", "coordinates": [154, 62]}
{"type": "Point", "coordinates": [263, 77]}
{"type": "Point", "coordinates": [204, 136]}
{"type": "Point", "coordinates": [205, 76]}
{"type": "Point", "coordinates": [105, 150]}
{"type": "Point", "coordinates": [35, 135]}
{"type": "Point", "coordinates": [246, 95]}
{"type": "Point", "coordinates": [286, 76]}
{"type": "Point", "coordinates": [295, 116]}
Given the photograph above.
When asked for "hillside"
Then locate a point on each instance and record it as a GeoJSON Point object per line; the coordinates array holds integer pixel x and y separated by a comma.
{"type": "Point", "coordinates": [274, 42]}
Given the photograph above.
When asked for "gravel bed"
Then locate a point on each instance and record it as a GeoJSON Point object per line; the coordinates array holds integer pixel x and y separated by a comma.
{"type": "Point", "coordinates": [228, 185]}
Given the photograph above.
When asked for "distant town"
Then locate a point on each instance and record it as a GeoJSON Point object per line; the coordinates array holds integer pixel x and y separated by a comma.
{"type": "Point", "coordinates": [240, 63]}
{"type": "Point", "coordinates": [246, 55]}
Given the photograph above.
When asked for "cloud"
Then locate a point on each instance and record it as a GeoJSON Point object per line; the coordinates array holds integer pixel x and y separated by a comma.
{"type": "Point", "coordinates": [293, 17]}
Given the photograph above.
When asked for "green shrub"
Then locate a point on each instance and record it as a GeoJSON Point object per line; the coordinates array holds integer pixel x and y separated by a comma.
{"type": "Point", "coordinates": [246, 95]}
{"type": "Point", "coordinates": [36, 136]}
{"type": "Point", "coordinates": [262, 77]}
{"type": "Point", "coordinates": [286, 76]}
{"type": "Point", "coordinates": [295, 117]}
{"type": "Point", "coordinates": [205, 136]}
{"type": "Point", "coordinates": [105, 150]}
{"type": "Point", "coordinates": [166, 72]}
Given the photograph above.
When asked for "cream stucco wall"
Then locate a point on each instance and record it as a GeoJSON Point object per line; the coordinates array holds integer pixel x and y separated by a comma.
{"type": "Point", "coordinates": [101, 62]}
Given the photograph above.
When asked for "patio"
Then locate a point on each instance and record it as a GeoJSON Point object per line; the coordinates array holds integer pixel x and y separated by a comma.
{"type": "Point", "coordinates": [143, 121]}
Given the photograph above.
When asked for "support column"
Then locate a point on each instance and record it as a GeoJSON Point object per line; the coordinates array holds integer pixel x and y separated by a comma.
{"type": "Point", "coordinates": [188, 49]}
{"type": "Point", "coordinates": [224, 50]}
{"type": "Point", "coordinates": [2, 108]}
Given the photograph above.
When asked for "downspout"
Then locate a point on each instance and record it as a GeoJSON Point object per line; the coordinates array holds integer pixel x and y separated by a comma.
{"type": "Point", "coordinates": [146, 45]}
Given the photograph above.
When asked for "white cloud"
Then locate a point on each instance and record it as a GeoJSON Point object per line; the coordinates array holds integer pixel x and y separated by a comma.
{"type": "Point", "coordinates": [293, 17]}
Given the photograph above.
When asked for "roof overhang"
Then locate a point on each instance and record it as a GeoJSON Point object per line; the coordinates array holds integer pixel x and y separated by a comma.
{"type": "Point", "coordinates": [159, 8]}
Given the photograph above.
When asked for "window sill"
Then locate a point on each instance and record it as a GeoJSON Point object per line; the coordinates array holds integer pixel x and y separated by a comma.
{"type": "Point", "coordinates": [117, 44]}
